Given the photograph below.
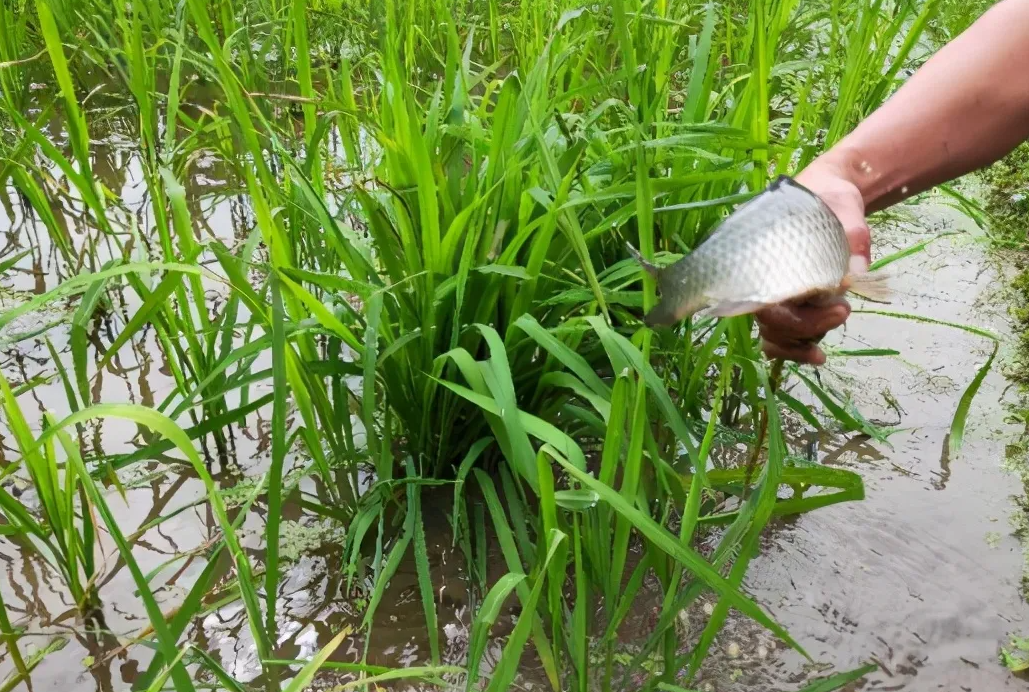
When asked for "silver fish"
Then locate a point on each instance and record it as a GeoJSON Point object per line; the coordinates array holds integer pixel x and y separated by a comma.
{"type": "Point", "coordinates": [783, 245]}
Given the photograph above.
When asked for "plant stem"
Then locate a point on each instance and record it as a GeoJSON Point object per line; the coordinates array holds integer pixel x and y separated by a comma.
{"type": "Point", "coordinates": [773, 381]}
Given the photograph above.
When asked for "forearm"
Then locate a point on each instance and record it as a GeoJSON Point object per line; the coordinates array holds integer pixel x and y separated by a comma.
{"type": "Point", "coordinates": [967, 107]}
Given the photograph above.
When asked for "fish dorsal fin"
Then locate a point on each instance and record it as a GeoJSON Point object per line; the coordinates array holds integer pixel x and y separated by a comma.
{"type": "Point", "coordinates": [785, 182]}
{"type": "Point", "coordinates": [783, 196]}
{"type": "Point", "coordinates": [790, 192]}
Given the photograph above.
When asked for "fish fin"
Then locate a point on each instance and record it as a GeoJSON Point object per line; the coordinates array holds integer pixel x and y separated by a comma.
{"type": "Point", "coordinates": [671, 307]}
{"type": "Point", "coordinates": [786, 181]}
{"type": "Point", "coordinates": [871, 285]}
{"type": "Point", "coordinates": [734, 308]}
{"type": "Point", "coordinates": [651, 269]}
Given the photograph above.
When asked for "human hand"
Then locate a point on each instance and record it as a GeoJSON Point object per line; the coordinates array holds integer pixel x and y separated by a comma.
{"type": "Point", "coordinates": [791, 330]}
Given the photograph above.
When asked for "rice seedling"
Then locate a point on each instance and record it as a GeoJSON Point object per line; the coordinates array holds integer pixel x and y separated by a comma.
{"type": "Point", "coordinates": [430, 280]}
{"type": "Point", "coordinates": [66, 539]}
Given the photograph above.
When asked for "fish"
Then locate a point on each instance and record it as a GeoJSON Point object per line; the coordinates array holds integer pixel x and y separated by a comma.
{"type": "Point", "coordinates": [784, 245]}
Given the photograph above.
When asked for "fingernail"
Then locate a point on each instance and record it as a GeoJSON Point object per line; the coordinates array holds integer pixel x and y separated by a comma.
{"type": "Point", "coordinates": [858, 264]}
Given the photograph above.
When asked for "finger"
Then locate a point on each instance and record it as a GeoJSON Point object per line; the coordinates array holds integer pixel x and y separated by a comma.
{"type": "Point", "coordinates": [806, 353]}
{"type": "Point", "coordinates": [851, 213]}
{"type": "Point", "coordinates": [859, 236]}
{"type": "Point", "coordinates": [785, 323]}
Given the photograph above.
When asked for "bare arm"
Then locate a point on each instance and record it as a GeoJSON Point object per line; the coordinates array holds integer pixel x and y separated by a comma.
{"type": "Point", "coordinates": [967, 107]}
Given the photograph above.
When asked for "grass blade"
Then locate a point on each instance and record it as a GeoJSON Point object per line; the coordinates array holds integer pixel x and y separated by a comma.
{"type": "Point", "coordinates": [957, 426]}
{"type": "Point", "coordinates": [507, 666]}
{"type": "Point", "coordinates": [836, 682]}
{"type": "Point", "coordinates": [485, 618]}
{"type": "Point", "coordinates": [307, 673]}
{"type": "Point", "coordinates": [279, 388]}
{"type": "Point", "coordinates": [689, 558]}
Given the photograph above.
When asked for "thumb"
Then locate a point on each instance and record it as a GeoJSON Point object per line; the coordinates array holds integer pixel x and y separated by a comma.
{"type": "Point", "coordinates": [860, 238]}
{"type": "Point", "coordinates": [846, 202]}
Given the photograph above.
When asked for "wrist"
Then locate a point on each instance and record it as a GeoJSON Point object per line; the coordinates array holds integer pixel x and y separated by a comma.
{"type": "Point", "coordinates": [878, 183]}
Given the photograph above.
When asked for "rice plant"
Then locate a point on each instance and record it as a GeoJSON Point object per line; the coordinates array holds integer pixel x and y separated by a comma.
{"type": "Point", "coordinates": [426, 296]}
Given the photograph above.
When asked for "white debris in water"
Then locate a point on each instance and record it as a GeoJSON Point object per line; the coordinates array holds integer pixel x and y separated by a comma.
{"type": "Point", "coordinates": [451, 631]}
{"type": "Point", "coordinates": [762, 651]}
{"type": "Point", "coordinates": [32, 321]}
{"type": "Point", "coordinates": [708, 609]}
{"type": "Point", "coordinates": [287, 630]}
{"type": "Point", "coordinates": [733, 650]}
{"type": "Point", "coordinates": [307, 640]}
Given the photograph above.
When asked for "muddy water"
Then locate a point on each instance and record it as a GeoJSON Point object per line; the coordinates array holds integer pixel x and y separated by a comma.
{"type": "Point", "coordinates": [315, 602]}
{"type": "Point", "coordinates": [922, 577]}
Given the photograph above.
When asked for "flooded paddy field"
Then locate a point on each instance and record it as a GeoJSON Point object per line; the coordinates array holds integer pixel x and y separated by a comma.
{"type": "Point", "coordinates": [922, 577]}
{"type": "Point", "coordinates": [284, 278]}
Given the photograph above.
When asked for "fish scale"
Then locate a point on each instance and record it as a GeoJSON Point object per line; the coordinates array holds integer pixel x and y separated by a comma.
{"type": "Point", "coordinates": [782, 245]}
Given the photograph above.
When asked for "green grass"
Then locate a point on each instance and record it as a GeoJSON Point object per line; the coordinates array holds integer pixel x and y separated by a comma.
{"type": "Point", "coordinates": [432, 283]}
{"type": "Point", "coordinates": [1005, 212]}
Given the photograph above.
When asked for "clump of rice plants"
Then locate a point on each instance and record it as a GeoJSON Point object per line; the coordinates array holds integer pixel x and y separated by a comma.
{"type": "Point", "coordinates": [422, 293]}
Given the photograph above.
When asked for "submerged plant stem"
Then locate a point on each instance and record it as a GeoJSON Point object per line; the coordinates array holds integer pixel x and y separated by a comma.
{"type": "Point", "coordinates": [773, 380]}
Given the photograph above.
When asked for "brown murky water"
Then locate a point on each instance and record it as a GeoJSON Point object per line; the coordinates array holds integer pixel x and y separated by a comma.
{"type": "Point", "coordinates": [922, 577]}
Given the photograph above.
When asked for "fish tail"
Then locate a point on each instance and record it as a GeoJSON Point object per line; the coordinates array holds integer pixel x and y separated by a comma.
{"type": "Point", "coordinates": [651, 269]}
{"type": "Point", "coordinates": [662, 314]}
{"type": "Point", "coordinates": [671, 306]}
{"type": "Point", "coordinates": [873, 285]}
